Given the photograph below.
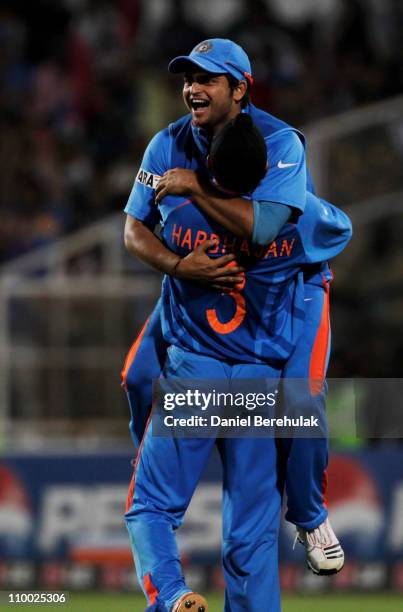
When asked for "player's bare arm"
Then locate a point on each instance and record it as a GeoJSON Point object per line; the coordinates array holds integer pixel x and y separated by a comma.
{"type": "Point", "coordinates": [233, 213]}
{"type": "Point", "coordinates": [144, 244]}
{"type": "Point", "coordinates": [196, 267]}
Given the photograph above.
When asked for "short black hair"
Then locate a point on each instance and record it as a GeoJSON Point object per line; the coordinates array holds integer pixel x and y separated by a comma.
{"type": "Point", "coordinates": [233, 82]}
{"type": "Point", "coordinates": [238, 155]}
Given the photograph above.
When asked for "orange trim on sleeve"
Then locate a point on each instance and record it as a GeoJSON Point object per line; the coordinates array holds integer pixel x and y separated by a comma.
{"type": "Point", "coordinates": [132, 353]}
{"type": "Point", "coordinates": [317, 364]}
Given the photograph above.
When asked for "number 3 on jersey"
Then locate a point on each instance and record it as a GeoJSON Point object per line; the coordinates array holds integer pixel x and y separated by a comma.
{"type": "Point", "coordinates": [239, 316]}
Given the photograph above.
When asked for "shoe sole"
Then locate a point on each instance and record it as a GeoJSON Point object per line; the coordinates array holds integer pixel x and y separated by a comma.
{"type": "Point", "coordinates": [330, 572]}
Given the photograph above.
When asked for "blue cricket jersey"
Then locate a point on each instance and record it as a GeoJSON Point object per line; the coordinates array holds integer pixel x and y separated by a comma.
{"type": "Point", "coordinates": [263, 320]}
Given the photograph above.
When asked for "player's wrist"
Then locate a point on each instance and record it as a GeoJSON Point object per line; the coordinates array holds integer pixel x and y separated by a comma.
{"type": "Point", "coordinates": [196, 187]}
{"type": "Point", "coordinates": [175, 268]}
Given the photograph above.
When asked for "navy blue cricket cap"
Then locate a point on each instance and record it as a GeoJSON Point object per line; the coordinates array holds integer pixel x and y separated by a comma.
{"type": "Point", "coordinates": [216, 55]}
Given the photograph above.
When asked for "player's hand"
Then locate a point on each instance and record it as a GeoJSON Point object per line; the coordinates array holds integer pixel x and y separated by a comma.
{"type": "Point", "coordinates": [176, 182]}
{"type": "Point", "coordinates": [222, 273]}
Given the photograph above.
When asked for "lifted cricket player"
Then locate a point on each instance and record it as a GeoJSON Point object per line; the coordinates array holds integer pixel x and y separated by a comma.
{"type": "Point", "coordinates": [175, 154]}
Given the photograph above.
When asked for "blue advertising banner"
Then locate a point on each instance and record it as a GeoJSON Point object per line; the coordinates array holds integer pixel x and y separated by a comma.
{"type": "Point", "coordinates": [61, 520]}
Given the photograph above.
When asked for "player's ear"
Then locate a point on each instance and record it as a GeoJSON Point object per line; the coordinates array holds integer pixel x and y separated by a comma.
{"type": "Point", "coordinates": [239, 91]}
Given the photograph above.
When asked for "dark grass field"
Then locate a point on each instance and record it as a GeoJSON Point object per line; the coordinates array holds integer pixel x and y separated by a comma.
{"type": "Point", "coordinates": [100, 602]}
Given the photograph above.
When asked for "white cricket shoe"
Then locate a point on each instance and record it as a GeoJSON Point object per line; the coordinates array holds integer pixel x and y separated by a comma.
{"type": "Point", "coordinates": [324, 554]}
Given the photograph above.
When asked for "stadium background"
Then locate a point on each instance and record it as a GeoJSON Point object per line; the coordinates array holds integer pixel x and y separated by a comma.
{"type": "Point", "coordinates": [83, 87]}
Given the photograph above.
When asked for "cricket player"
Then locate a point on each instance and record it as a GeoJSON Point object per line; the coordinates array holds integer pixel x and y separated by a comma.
{"type": "Point", "coordinates": [237, 344]}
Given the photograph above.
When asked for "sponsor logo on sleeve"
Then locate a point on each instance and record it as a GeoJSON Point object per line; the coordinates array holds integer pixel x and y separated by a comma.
{"type": "Point", "coordinates": [147, 178]}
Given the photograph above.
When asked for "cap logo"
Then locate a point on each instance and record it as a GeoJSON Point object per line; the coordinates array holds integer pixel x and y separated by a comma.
{"type": "Point", "coordinates": [203, 47]}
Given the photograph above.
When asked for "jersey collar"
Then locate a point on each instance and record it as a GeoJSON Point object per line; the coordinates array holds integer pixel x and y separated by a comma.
{"type": "Point", "coordinates": [202, 141]}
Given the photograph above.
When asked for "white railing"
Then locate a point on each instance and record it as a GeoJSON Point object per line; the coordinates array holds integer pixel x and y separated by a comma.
{"type": "Point", "coordinates": [54, 258]}
{"type": "Point", "coordinates": [74, 306]}
{"type": "Point", "coordinates": [323, 133]}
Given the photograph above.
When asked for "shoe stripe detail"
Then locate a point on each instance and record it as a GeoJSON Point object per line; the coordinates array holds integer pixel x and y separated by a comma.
{"type": "Point", "coordinates": [332, 552]}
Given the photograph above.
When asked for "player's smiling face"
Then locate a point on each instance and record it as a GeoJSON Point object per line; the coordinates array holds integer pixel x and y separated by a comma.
{"type": "Point", "coordinates": [210, 99]}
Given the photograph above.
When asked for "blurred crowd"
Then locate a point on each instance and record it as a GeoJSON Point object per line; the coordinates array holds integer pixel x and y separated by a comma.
{"type": "Point", "coordinates": [84, 85]}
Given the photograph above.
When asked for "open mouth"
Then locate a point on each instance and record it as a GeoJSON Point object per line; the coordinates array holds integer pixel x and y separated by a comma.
{"type": "Point", "coordinates": [198, 104]}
